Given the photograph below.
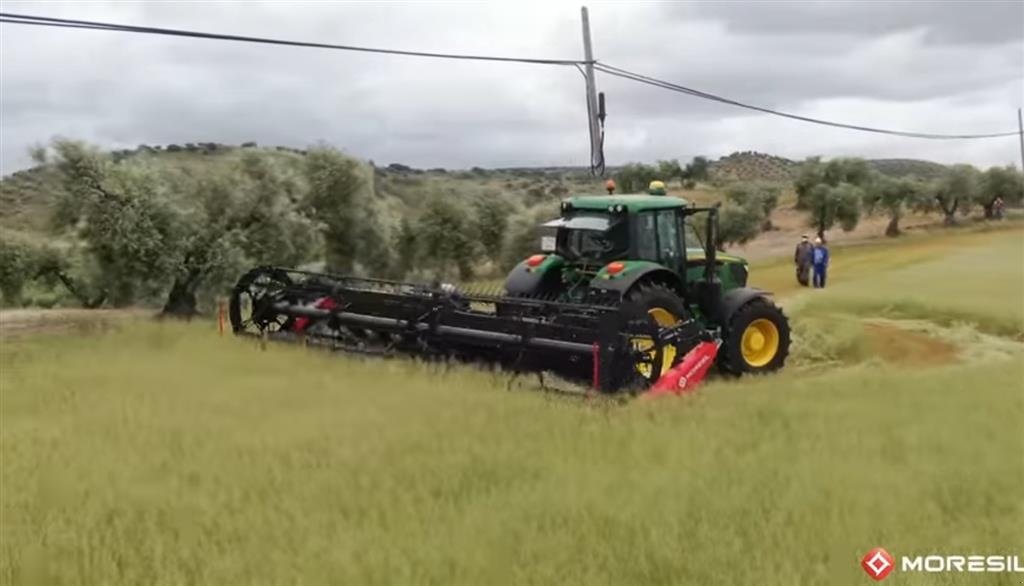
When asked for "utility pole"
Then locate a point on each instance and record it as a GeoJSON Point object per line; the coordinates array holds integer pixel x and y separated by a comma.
{"type": "Point", "coordinates": [1020, 134]}
{"type": "Point", "coordinates": [596, 155]}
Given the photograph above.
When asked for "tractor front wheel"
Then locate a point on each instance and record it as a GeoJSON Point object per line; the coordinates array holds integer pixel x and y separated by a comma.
{"type": "Point", "coordinates": [663, 308]}
{"type": "Point", "coordinates": [756, 339]}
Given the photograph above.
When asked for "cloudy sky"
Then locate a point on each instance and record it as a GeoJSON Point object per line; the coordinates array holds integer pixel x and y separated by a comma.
{"type": "Point", "coordinates": [941, 67]}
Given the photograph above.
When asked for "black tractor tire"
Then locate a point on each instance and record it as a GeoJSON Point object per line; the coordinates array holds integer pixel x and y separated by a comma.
{"type": "Point", "coordinates": [645, 297]}
{"type": "Point", "coordinates": [761, 316]}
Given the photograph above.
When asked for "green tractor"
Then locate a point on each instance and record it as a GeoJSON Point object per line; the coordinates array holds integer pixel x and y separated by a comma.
{"type": "Point", "coordinates": [623, 292]}
{"type": "Point", "coordinates": [644, 252]}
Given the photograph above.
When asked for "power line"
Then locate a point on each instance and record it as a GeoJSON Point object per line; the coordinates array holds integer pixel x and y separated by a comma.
{"type": "Point", "coordinates": [25, 19]}
{"type": "Point", "coordinates": [633, 76]}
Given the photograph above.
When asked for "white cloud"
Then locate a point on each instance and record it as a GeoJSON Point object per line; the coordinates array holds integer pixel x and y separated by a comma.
{"type": "Point", "coordinates": [907, 68]}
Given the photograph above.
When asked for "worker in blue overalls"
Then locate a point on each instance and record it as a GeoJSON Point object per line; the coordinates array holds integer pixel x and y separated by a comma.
{"type": "Point", "coordinates": [819, 260]}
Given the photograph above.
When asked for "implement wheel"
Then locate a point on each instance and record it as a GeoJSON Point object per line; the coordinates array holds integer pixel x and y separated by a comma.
{"type": "Point", "coordinates": [250, 308]}
{"type": "Point", "coordinates": [756, 339]}
{"type": "Point", "coordinates": [663, 308]}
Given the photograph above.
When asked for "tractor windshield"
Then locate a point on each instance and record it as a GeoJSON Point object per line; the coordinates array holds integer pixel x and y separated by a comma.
{"type": "Point", "coordinates": [591, 237]}
{"type": "Point", "coordinates": [692, 236]}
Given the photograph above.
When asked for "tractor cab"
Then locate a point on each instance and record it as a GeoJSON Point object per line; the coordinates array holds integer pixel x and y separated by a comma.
{"type": "Point", "coordinates": [595, 231]}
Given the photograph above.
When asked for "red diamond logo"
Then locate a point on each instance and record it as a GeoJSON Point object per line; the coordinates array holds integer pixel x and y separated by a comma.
{"type": "Point", "coordinates": [877, 563]}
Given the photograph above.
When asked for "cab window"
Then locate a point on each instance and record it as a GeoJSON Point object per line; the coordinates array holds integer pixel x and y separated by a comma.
{"type": "Point", "coordinates": [692, 236]}
{"type": "Point", "coordinates": [646, 236]}
{"type": "Point", "coordinates": [669, 242]}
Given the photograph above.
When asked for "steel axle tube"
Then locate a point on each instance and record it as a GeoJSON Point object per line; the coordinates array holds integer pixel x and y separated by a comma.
{"type": "Point", "coordinates": [399, 325]}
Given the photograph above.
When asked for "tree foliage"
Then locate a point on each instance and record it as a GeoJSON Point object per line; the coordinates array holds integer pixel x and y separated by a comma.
{"type": "Point", "coordinates": [832, 192]}
{"type": "Point", "coordinates": [893, 196]}
{"type": "Point", "coordinates": [761, 196]}
{"type": "Point", "coordinates": [18, 264]}
{"type": "Point", "coordinates": [123, 215]}
{"type": "Point", "coordinates": [524, 235]}
{"type": "Point", "coordinates": [406, 244]}
{"type": "Point", "coordinates": [697, 169]}
{"type": "Point", "coordinates": [490, 222]}
{"type": "Point", "coordinates": [955, 191]}
{"type": "Point", "coordinates": [635, 177]}
{"type": "Point", "coordinates": [669, 170]}
{"type": "Point", "coordinates": [1006, 183]}
{"type": "Point", "coordinates": [335, 182]}
{"type": "Point", "coordinates": [447, 242]}
{"type": "Point", "coordinates": [739, 223]}
{"type": "Point", "coordinates": [153, 233]}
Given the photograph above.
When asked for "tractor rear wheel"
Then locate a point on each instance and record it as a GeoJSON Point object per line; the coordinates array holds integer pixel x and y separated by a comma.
{"type": "Point", "coordinates": [664, 308]}
{"type": "Point", "coordinates": [756, 339]}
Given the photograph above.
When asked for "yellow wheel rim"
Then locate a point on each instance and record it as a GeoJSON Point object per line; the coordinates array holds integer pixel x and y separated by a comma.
{"type": "Point", "coordinates": [760, 342]}
{"type": "Point", "coordinates": [663, 318]}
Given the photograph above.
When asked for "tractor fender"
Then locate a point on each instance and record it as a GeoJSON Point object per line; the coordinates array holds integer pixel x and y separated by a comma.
{"type": "Point", "coordinates": [737, 298]}
{"type": "Point", "coordinates": [635, 272]}
{"type": "Point", "coordinates": [543, 279]}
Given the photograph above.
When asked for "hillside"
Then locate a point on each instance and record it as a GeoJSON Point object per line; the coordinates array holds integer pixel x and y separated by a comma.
{"type": "Point", "coordinates": [908, 167]}
{"type": "Point", "coordinates": [752, 165]}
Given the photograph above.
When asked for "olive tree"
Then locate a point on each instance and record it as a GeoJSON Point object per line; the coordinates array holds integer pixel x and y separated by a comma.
{"type": "Point", "coordinates": [18, 265]}
{"type": "Point", "coordinates": [405, 243]}
{"type": "Point", "coordinates": [447, 242]}
{"type": "Point", "coordinates": [697, 169]}
{"type": "Point", "coordinates": [955, 191]}
{"type": "Point", "coordinates": [339, 201]}
{"type": "Point", "coordinates": [893, 196]}
{"type": "Point", "coordinates": [166, 233]}
{"type": "Point", "coordinates": [121, 211]}
{"type": "Point", "coordinates": [490, 224]}
{"type": "Point", "coordinates": [635, 177]}
{"type": "Point", "coordinates": [831, 192]}
{"type": "Point", "coordinates": [669, 170]}
{"type": "Point", "coordinates": [242, 217]}
{"type": "Point", "coordinates": [739, 223]}
{"type": "Point", "coordinates": [1006, 183]}
{"type": "Point", "coordinates": [760, 195]}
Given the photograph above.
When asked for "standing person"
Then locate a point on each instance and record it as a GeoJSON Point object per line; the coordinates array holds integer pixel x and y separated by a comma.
{"type": "Point", "coordinates": [820, 259]}
{"type": "Point", "coordinates": [998, 206]}
{"type": "Point", "coordinates": [802, 260]}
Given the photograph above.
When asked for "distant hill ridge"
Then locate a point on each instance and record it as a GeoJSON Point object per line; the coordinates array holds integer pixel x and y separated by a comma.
{"type": "Point", "coordinates": [752, 165]}
{"type": "Point", "coordinates": [739, 165]}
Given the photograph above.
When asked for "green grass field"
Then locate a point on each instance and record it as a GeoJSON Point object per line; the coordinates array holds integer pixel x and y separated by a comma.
{"type": "Point", "coordinates": [163, 454]}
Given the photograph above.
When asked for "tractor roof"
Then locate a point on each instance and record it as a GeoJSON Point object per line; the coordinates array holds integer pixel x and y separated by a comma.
{"type": "Point", "coordinates": [632, 203]}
